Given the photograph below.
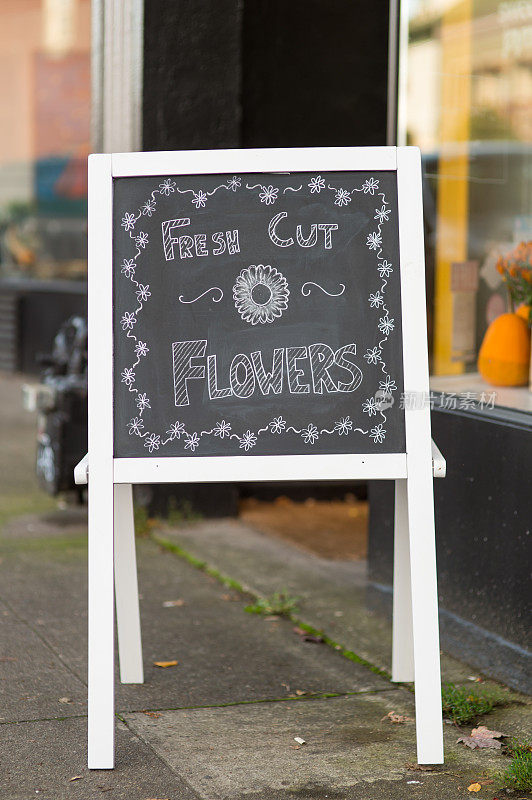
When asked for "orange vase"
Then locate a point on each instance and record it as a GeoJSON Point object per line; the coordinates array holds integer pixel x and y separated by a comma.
{"type": "Point", "coordinates": [504, 357]}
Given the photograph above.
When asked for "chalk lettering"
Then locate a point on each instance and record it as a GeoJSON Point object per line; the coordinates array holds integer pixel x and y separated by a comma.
{"type": "Point", "coordinates": [310, 241]}
{"type": "Point", "coordinates": [321, 359]}
{"type": "Point", "coordinates": [269, 380]}
{"type": "Point", "coordinates": [182, 354]}
{"type": "Point", "coordinates": [347, 364]}
{"type": "Point", "coordinates": [168, 239]}
{"type": "Point", "coordinates": [293, 355]}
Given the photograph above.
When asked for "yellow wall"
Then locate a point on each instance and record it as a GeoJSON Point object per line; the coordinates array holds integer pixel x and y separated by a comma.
{"type": "Point", "coordinates": [452, 200]}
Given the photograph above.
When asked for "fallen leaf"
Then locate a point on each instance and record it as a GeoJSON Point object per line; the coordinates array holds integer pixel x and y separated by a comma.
{"type": "Point", "coordinates": [152, 714]}
{"type": "Point", "coordinates": [75, 778]}
{"type": "Point", "coordinates": [65, 700]}
{"type": "Point", "coordinates": [474, 787]}
{"type": "Point", "coordinates": [300, 692]}
{"type": "Point", "coordinates": [164, 664]}
{"type": "Point", "coordinates": [421, 767]}
{"type": "Point", "coordinates": [173, 603]}
{"type": "Point", "coordinates": [308, 637]}
{"type": "Point", "coordinates": [482, 737]}
{"type": "Point", "coordinates": [394, 717]}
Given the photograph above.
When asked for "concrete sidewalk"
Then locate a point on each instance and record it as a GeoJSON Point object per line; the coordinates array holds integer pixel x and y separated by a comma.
{"type": "Point", "coordinates": [222, 723]}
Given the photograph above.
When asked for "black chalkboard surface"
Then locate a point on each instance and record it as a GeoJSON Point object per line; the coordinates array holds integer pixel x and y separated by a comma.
{"type": "Point", "coordinates": [257, 314]}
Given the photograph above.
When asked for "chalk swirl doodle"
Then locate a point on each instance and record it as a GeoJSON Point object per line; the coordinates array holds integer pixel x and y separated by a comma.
{"type": "Point", "coordinates": [212, 289]}
{"type": "Point", "coordinates": [305, 292]}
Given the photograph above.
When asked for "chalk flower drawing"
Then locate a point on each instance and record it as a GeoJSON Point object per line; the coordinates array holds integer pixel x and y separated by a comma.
{"type": "Point", "coordinates": [248, 441]}
{"type": "Point", "coordinates": [374, 241]}
{"type": "Point", "coordinates": [148, 208]}
{"type": "Point", "coordinates": [167, 187]}
{"type": "Point", "coordinates": [234, 183]}
{"type": "Point", "coordinates": [199, 199]}
{"type": "Point", "coordinates": [310, 434]}
{"type": "Point", "coordinates": [388, 385]}
{"type": "Point", "coordinates": [222, 429]}
{"type": "Point", "coordinates": [141, 349]}
{"type": "Point", "coordinates": [386, 325]}
{"type": "Point", "coordinates": [370, 406]}
{"type": "Point", "coordinates": [141, 240]}
{"type": "Point", "coordinates": [143, 402]}
{"type": "Point", "coordinates": [135, 426]}
{"type": "Point", "coordinates": [370, 186]}
{"type": "Point", "coordinates": [192, 441]}
{"type": "Point", "coordinates": [128, 267]}
{"type": "Point", "coordinates": [385, 269]}
{"type": "Point", "coordinates": [128, 376]}
{"type": "Point", "coordinates": [128, 221]}
{"type": "Point", "coordinates": [343, 426]}
{"type": "Point", "coordinates": [373, 355]}
{"type": "Point", "coordinates": [342, 197]}
{"type": "Point", "coordinates": [382, 214]}
{"type": "Point", "coordinates": [376, 300]}
{"type": "Point", "coordinates": [128, 320]}
{"type": "Point", "coordinates": [143, 292]}
{"type": "Point", "coordinates": [277, 425]}
{"type": "Point", "coordinates": [316, 184]}
{"type": "Point", "coordinates": [260, 294]}
{"type": "Point", "coordinates": [378, 433]}
{"type": "Point", "coordinates": [152, 442]}
{"type": "Point", "coordinates": [268, 195]}
{"type": "Point", "coordinates": [176, 430]}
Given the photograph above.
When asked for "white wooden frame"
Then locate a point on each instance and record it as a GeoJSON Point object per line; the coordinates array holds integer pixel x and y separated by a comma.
{"type": "Point", "coordinates": [416, 640]}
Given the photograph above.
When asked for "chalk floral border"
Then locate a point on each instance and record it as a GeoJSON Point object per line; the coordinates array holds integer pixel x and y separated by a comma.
{"type": "Point", "coordinates": [310, 433]}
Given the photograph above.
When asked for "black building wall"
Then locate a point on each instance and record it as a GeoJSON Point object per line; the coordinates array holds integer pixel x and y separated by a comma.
{"type": "Point", "coordinates": [192, 74]}
{"type": "Point", "coordinates": [264, 73]}
{"type": "Point", "coordinates": [260, 73]}
{"type": "Point", "coordinates": [483, 511]}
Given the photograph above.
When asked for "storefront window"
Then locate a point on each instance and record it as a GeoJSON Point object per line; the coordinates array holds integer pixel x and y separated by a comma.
{"type": "Point", "coordinates": [467, 103]}
{"type": "Point", "coordinates": [44, 137]}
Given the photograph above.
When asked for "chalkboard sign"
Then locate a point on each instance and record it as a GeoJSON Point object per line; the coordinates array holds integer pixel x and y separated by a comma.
{"type": "Point", "coordinates": [257, 314]}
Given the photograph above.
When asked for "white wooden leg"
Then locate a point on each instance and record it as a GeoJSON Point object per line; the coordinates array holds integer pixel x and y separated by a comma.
{"type": "Point", "coordinates": [429, 727]}
{"type": "Point", "coordinates": [126, 587]}
{"type": "Point", "coordinates": [101, 622]}
{"type": "Point", "coordinates": [402, 643]}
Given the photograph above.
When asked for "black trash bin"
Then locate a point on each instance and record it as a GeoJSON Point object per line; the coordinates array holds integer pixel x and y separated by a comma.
{"type": "Point", "coordinates": [62, 408]}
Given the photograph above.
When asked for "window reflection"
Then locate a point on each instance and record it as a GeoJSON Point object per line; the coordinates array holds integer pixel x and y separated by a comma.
{"type": "Point", "coordinates": [44, 137]}
{"type": "Point", "coordinates": [469, 109]}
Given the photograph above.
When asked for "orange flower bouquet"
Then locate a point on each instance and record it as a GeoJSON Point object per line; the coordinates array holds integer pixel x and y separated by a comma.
{"type": "Point", "coordinates": [516, 271]}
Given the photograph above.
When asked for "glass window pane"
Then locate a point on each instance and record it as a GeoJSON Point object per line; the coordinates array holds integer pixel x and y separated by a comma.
{"type": "Point", "coordinates": [468, 106]}
{"type": "Point", "coordinates": [44, 137]}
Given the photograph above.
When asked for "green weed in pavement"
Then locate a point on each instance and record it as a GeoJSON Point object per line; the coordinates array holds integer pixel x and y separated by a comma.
{"type": "Point", "coordinates": [278, 604]}
{"type": "Point", "coordinates": [518, 775]}
{"type": "Point", "coordinates": [463, 704]}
